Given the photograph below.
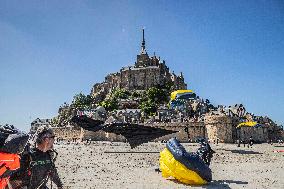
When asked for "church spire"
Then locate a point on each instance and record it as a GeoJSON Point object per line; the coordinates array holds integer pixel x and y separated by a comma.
{"type": "Point", "coordinates": [143, 48]}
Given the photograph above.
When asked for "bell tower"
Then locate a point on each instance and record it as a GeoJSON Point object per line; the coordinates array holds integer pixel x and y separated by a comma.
{"type": "Point", "coordinates": [143, 59]}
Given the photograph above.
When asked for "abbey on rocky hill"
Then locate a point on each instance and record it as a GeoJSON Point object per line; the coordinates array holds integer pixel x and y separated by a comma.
{"type": "Point", "coordinates": [147, 72]}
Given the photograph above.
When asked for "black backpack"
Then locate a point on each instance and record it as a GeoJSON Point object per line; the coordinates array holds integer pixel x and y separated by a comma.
{"type": "Point", "coordinates": [12, 140]}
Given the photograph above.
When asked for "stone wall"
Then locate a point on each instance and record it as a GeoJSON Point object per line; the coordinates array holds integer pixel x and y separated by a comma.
{"type": "Point", "coordinates": [214, 126]}
{"type": "Point", "coordinates": [281, 135]}
{"type": "Point", "coordinates": [259, 134]}
{"type": "Point", "coordinates": [68, 132]}
{"type": "Point", "coordinates": [195, 130]}
{"type": "Point", "coordinates": [143, 78]}
{"type": "Point", "coordinates": [96, 136]}
{"type": "Point", "coordinates": [274, 132]}
{"type": "Point", "coordinates": [113, 80]}
{"type": "Point", "coordinates": [219, 126]}
{"type": "Point", "coordinates": [71, 132]}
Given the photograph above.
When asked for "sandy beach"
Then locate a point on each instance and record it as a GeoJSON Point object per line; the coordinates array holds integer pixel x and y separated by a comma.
{"type": "Point", "coordinates": [115, 165]}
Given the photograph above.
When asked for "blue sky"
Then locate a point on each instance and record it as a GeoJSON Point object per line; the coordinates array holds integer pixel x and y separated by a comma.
{"type": "Point", "coordinates": [229, 51]}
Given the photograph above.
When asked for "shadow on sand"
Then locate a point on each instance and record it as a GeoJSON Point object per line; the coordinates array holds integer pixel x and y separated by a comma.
{"type": "Point", "coordinates": [130, 152]}
{"type": "Point", "coordinates": [223, 183]}
{"type": "Point", "coordinates": [215, 184]}
{"type": "Point", "coordinates": [244, 152]}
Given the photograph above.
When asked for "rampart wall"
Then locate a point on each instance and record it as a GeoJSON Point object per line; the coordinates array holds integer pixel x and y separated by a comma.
{"type": "Point", "coordinates": [214, 127]}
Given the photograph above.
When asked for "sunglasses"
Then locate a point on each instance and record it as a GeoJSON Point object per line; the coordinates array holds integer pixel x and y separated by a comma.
{"type": "Point", "coordinates": [51, 137]}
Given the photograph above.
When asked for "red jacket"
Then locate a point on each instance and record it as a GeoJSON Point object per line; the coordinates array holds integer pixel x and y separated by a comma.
{"type": "Point", "coordinates": [8, 162]}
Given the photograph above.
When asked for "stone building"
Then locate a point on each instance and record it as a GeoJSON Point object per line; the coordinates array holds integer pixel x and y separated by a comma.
{"type": "Point", "coordinates": [128, 115]}
{"type": "Point", "coordinates": [147, 72]}
{"type": "Point", "coordinates": [39, 123]}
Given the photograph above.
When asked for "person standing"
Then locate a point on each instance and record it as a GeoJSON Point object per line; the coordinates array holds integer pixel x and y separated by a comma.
{"type": "Point", "coordinates": [244, 142]}
{"type": "Point", "coordinates": [12, 143]}
{"type": "Point", "coordinates": [239, 142]}
{"type": "Point", "coordinates": [251, 141]}
{"type": "Point", "coordinates": [37, 166]}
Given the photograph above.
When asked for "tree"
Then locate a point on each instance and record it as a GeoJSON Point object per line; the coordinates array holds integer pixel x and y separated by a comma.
{"type": "Point", "coordinates": [157, 95]}
{"type": "Point", "coordinates": [110, 104]}
{"type": "Point", "coordinates": [135, 94]}
{"type": "Point", "coordinates": [148, 107]}
{"type": "Point", "coordinates": [120, 93]}
{"type": "Point", "coordinates": [152, 98]}
{"type": "Point", "coordinates": [81, 101]}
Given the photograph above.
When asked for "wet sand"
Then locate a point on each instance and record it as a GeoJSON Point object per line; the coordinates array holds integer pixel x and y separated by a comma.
{"type": "Point", "coordinates": [115, 165]}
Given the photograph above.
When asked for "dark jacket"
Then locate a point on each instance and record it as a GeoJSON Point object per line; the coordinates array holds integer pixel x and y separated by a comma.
{"type": "Point", "coordinates": [36, 168]}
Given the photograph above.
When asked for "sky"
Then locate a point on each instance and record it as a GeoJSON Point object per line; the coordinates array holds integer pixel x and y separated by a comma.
{"type": "Point", "coordinates": [229, 51]}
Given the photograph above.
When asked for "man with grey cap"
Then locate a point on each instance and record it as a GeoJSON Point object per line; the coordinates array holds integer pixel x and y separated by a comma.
{"type": "Point", "coordinates": [37, 166]}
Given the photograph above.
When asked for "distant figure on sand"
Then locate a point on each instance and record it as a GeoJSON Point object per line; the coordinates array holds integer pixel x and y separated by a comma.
{"type": "Point", "coordinates": [244, 142]}
{"type": "Point", "coordinates": [251, 141]}
{"type": "Point", "coordinates": [239, 142]}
